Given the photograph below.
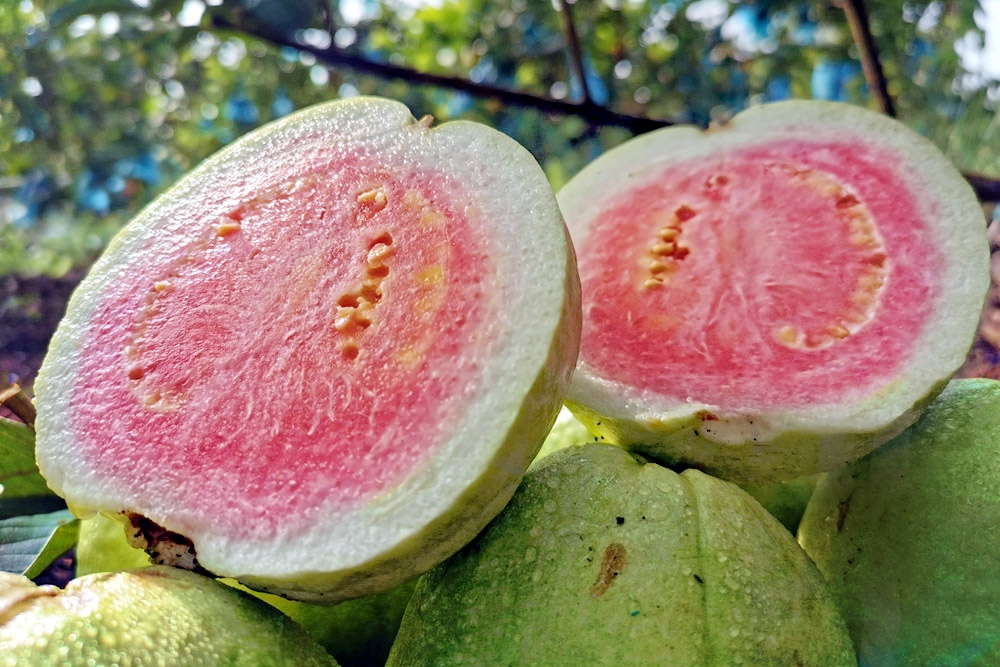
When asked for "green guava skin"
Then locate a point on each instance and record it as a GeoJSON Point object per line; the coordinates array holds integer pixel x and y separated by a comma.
{"type": "Point", "coordinates": [786, 501]}
{"type": "Point", "coordinates": [358, 633]}
{"type": "Point", "coordinates": [566, 432]}
{"type": "Point", "coordinates": [102, 547]}
{"type": "Point", "coordinates": [907, 537]}
{"type": "Point", "coordinates": [602, 558]}
{"type": "Point", "coordinates": [152, 616]}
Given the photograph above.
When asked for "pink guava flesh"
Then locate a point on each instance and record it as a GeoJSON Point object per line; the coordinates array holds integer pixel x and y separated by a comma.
{"type": "Point", "coordinates": [306, 347]}
{"type": "Point", "coordinates": [778, 275]}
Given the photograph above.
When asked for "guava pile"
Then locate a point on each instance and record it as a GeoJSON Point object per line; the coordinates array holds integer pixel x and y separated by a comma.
{"type": "Point", "coordinates": [323, 365]}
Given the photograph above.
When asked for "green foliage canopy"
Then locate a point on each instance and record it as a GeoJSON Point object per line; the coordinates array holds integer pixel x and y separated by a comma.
{"type": "Point", "coordinates": [105, 102]}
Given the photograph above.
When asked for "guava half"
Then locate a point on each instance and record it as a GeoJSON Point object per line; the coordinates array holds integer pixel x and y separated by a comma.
{"type": "Point", "coordinates": [320, 362]}
{"type": "Point", "coordinates": [603, 558]}
{"type": "Point", "coordinates": [154, 616]}
{"type": "Point", "coordinates": [907, 536]}
{"type": "Point", "coordinates": [773, 297]}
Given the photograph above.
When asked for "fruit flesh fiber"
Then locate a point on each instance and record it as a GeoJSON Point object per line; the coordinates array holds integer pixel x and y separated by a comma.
{"type": "Point", "coordinates": [751, 311]}
{"type": "Point", "coordinates": [602, 558]}
{"type": "Point", "coordinates": [214, 374]}
{"type": "Point", "coordinates": [242, 383]}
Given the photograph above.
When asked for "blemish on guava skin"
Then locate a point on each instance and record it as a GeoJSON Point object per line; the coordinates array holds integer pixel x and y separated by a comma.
{"type": "Point", "coordinates": [842, 509]}
{"type": "Point", "coordinates": [164, 547]}
{"type": "Point", "coordinates": [611, 566]}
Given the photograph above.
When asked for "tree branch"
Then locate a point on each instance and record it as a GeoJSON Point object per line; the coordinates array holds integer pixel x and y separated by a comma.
{"type": "Point", "coordinates": [987, 189]}
{"type": "Point", "coordinates": [857, 19]}
{"type": "Point", "coordinates": [335, 56]}
{"type": "Point", "coordinates": [575, 52]}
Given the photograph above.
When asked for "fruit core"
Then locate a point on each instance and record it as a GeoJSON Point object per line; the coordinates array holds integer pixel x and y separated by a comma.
{"type": "Point", "coordinates": [776, 275]}
{"type": "Point", "coordinates": [308, 345]}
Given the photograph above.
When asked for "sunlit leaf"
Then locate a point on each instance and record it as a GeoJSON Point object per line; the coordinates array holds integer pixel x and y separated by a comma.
{"type": "Point", "coordinates": [19, 476]}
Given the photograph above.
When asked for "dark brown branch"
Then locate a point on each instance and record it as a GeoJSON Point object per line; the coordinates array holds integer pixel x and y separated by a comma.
{"type": "Point", "coordinates": [326, 15]}
{"type": "Point", "coordinates": [857, 19]}
{"type": "Point", "coordinates": [987, 189]}
{"type": "Point", "coordinates": [575, 52]}
{"type": "Point", "coordinates": [337, 57]}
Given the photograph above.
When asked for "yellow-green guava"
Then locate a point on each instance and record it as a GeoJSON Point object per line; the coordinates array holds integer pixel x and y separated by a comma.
{"type": "Point", "coordinates": [153, 616]}
{"type": "Point", "coordinates": [603, 558]}
{"type": "Point", "coordinates": [907, 537]}
{"type": "Point", "coordinates": [357, 633]}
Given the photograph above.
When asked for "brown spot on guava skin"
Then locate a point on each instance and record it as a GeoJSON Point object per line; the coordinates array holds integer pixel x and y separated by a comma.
{"type": "Point", "coordinates": [611, 566]}
{"type": "Point", "coordinates": [842, 513]}
{"type": "Point", "coordinates": [706, 416]}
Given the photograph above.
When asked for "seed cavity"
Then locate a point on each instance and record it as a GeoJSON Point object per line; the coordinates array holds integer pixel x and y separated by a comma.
{"type": "Point", "coordinates": [667, 250]}
{"type": "Point", "coordinates": [873, 261]}
{"type": "Point", "coordinates": [356, 307]}
{"type": "Point", "coordinates": [228, 227]}
{"type": "Point", "coordinates": [375, 199]}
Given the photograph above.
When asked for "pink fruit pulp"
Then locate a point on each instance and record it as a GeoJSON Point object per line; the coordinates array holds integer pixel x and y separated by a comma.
{"type": "Point", "coordinates": [239, 360]}
{"type": "Point", "coordinates": [799, 272]}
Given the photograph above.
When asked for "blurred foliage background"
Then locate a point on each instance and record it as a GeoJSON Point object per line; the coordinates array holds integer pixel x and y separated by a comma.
{"type": "Point", "coordinates": [104, 103]}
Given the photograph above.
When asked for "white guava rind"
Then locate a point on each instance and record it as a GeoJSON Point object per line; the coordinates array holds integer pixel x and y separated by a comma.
{"type": "Point", "coordinates": [157, 615]}
{"type": "Point", "coordinates": [783, 443]}
{"type": "Point", "coordinates": [602, 558]}
{"type": "Point", "coordinates": [906, 537]}
{"type": "Point", "coordinates": [441, 505]}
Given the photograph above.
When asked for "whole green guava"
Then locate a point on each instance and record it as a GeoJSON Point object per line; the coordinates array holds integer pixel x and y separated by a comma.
{"type": "Point", "coordinates": [907, 537]}
{"type": "Point", "coordinates": [603, 558]}
{"type": "Point", "coordinates": [152, 616]}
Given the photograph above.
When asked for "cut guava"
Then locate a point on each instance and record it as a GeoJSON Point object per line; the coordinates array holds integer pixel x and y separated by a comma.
{"type": "Point", "coordinates": [322, 361]}
{"type": "Point", "coordinates": [907, 536]}
{"type": "Point", "coordinates": [773, 297]}
{"type": "Point", "coordinates": [604, 558]}
{"type": "Point", "coordinates": [154, 616]}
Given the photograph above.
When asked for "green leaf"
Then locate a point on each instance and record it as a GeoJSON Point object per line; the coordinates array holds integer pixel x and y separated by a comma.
{"type": "Point", "coordinates": [19, 476]}
{"type": "Point", "coordinates": [26, 505]}
{"type": "Point", "coordinates": [29, 544]}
